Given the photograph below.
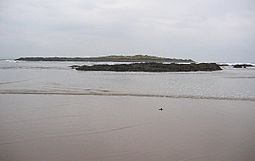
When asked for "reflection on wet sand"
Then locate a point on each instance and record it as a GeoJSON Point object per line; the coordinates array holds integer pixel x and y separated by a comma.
{"type": "Point", "coordinates": [89, 127]}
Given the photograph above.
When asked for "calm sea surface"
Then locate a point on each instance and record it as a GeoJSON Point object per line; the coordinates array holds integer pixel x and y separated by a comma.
{"type": "Point", "coordinates": [58, 77]}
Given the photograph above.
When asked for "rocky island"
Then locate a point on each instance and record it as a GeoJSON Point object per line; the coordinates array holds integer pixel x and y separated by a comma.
{"type": "Point", "coordinates": [150, 67]}
{"type": "Point", "coordinates": [112, 58]}
{"type": "Point", "coordinates": [242, 65]}
{"type": "Point", "coordinates": [139, 63]}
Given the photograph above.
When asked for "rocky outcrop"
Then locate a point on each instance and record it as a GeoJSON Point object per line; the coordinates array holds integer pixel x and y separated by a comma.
{"type": "Point", "coordinates": [151, 67]}
{"type": "Point", "coordinates": [242, 65]}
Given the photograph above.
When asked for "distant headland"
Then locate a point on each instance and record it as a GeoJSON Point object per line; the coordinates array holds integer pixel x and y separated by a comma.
{"type": "Point", "coordinates": [112, 58]}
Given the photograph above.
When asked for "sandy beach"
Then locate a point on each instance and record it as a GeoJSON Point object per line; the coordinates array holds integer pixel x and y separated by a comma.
{"type": "Point", "coordinates": [114, 128]}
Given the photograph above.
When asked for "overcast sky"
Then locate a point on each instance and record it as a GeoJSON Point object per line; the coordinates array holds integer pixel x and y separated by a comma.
{"type": "Point", "coordinates": [203, 30]}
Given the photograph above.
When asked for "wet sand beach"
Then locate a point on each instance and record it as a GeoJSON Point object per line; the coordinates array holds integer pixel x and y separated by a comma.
{"type": "Point", "coordinates": [124, 128]}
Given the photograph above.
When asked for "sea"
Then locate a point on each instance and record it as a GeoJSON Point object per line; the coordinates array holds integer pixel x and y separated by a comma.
{"type": "Point", "coordinates": [22, 77]}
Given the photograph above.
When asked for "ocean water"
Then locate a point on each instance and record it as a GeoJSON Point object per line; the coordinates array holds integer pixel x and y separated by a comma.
{"type": "Point", "coordinates": [50, 112]}
{"type": "Point", "coordinates": [18, 77]}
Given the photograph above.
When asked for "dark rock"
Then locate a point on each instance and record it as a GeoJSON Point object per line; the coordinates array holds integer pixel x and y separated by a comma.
{"type": "Point", "coordinates": [152, 67]}
{"type": "Point", "coordinates": [242, 65]}
{"type": "Point", "coordinates": [223, 65]}
{"type": "Point", "coordinates": [74, 66]}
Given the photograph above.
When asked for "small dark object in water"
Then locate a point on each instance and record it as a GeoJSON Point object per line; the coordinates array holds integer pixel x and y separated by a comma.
{"type": "Point", "coordinates": [161, 109]}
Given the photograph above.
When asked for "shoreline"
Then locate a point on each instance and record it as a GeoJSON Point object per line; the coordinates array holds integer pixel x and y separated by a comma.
{"type": "Point", "coordinates": [109, 94]}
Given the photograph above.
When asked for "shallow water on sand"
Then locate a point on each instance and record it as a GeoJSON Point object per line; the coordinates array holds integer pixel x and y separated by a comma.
{"type": "Point", "coordinates": [49, 112]}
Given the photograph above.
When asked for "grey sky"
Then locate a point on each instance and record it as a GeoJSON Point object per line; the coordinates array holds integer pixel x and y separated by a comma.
{"type": "Point", "coordinates": [204, 30]}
